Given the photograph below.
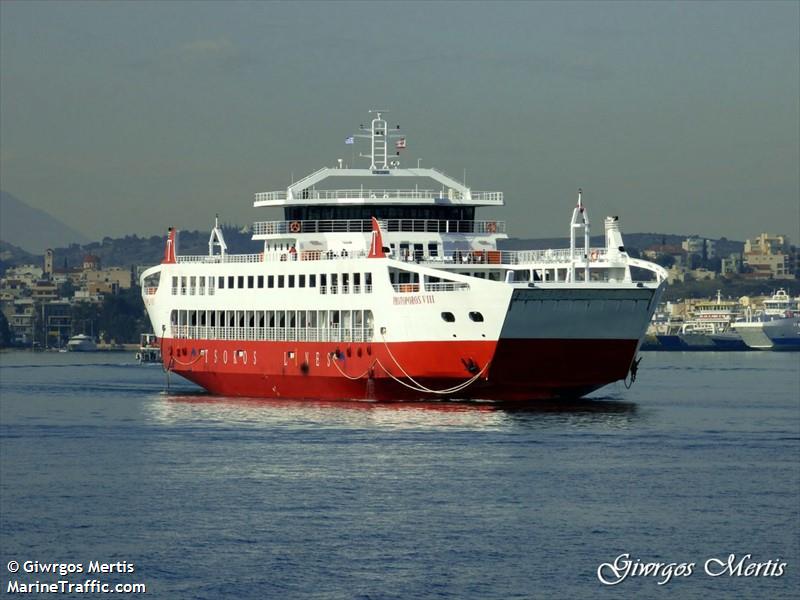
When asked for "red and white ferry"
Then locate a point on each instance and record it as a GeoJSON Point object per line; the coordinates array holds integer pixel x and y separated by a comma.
{"type": "Point", "coordinates": [387, 287]}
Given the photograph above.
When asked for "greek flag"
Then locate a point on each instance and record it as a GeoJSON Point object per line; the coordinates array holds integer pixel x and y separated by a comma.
{"type": "Point", "coordinates": [349, 140]}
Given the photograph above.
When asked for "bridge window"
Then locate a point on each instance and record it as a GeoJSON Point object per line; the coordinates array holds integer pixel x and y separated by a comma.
{"type": "Point", "coordinates": [260, 281]}
{"type": "Point", "coordinates": [250, 282]}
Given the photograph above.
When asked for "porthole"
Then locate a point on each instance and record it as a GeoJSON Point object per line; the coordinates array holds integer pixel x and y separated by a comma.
{"type": "Point", "coordinates": [448, 317]}
{"type": "Point", "coordinates": [476, 316]}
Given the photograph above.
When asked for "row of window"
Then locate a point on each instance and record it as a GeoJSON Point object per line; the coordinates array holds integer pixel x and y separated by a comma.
{"type": "Point", "coordinates": [475, 316]}
{"type": "Point", "coordinates": [365, 213]}
{"type": "Point", "coordinates": [274, 325]}
{"type": "Point", "coordinates": [333, 283]}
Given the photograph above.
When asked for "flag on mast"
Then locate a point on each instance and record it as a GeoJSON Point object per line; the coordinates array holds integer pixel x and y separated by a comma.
{"type": "Point", "coordinates": [400, 144]}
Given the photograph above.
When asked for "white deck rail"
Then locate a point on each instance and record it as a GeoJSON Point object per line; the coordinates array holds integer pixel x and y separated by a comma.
{"type": "Point", "coordinates": [387, 225]}
{"type": "Point", "coordinates": [378, 195]}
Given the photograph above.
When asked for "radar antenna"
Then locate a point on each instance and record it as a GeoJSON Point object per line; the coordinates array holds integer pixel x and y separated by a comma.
{"type": "Point", "coordinates": [380, 135]}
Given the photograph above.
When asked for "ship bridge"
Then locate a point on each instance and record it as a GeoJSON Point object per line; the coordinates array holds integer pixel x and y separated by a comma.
{"type": "Point", "coordinates": [343, 199]}
{"type": "Point", "coordinates": [386, 183]}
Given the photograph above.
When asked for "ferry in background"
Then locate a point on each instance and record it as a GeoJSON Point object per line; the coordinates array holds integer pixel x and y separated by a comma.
{"type": "Point", "coordinates": [81, 343]}
{"type": "Point", "coordinates": [709, 328]}
{"type": "Point", "coordinates": [387, 287]}
{"type": "Point", "coordinates": [775, 327]}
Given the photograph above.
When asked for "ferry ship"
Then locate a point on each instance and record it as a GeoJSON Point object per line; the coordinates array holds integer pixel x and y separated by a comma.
{"type": "Point", "coordinates": [775, 327]}
{"type": "Point", "coordinates": [380, 283]}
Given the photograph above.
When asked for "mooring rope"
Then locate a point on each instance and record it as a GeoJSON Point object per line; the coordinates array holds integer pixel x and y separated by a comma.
{"type": "Point", "coordinates": [189, 364]}
{"type": "Point", "coordinates": [417, 386]}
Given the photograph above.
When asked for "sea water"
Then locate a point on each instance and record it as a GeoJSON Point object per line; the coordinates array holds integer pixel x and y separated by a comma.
{"type": "Point", "coordinates": [687, 484]}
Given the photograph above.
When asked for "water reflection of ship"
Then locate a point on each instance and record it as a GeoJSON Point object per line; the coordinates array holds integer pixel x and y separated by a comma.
{"type": "Point", "coordinates": [467, 414]}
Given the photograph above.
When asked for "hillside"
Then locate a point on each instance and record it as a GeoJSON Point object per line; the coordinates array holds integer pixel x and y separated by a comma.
{"type": "Point", "coordinates": [639, 241]}
{"type": "Point", "coordinates": [32, 229]}
{"type": "Point", "coordinates": [133, 250]}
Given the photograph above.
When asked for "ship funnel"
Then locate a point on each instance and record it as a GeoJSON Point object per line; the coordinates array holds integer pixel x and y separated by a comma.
{"type": "Point", "coordinates": [614, 242]}
{"type": "Point", "coordinates": [171, 247]}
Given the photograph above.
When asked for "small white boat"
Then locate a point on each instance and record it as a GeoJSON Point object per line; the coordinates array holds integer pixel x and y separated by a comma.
{"type": "Point", "coordinates": [149, 349]}
{"type": "Point", "coordinates": [81, 343]}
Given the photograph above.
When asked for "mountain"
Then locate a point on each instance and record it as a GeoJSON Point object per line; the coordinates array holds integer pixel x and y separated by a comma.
{"type": "Point", "coordinates": [31, 229]}
{"type": "Point", "coordinates": [640, 241]}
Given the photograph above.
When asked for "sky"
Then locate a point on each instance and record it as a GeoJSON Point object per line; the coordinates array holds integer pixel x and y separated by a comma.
{"type": "Point", "coordinates": [129, 117]}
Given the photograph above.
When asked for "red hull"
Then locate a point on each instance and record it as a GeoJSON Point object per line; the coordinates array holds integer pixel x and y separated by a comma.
{"type": "Point", "coordinates": [508, 370]}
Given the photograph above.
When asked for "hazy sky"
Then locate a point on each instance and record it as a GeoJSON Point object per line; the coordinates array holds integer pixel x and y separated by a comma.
{"type": "Point", "coordinates": [127, 117]}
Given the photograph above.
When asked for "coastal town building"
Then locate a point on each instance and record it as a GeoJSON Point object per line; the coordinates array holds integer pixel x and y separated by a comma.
{"type": "Point", "coordinates": [38, 301]}
{"type": "Point", "coordinates": [769, 256]}
{"type": "Point", "coordinates": [702, 247]}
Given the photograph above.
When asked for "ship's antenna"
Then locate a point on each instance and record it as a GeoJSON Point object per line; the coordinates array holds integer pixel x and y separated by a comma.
{"type": "Point", "coordinates": [379, 135]}
{"type": "Point", "coordinates": [217, 239]}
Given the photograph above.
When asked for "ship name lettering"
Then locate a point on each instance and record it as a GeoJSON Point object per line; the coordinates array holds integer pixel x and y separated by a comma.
{"type": "Point", "coordinates": [412, 300]}
{"type": "Point", "coordinates": [317, 359]}
{"type": "Point", "coordinates": [225, 357]}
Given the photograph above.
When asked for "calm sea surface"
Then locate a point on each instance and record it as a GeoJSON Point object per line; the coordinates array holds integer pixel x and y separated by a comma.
{"type": "Point", "coordinates": [229, 498]}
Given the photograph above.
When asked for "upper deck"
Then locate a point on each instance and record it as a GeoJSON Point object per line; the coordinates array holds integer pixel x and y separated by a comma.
{"type": "Point", "coordinates": [383, 183]}
{"type": "Point", "coordinates": [387, 191]}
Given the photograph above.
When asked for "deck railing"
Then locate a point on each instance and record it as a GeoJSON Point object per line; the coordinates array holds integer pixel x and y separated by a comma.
{"type": "Point", "coordinates": [273, 334]}
{"type": "Point", "coordinates": [474, 257]}
{"type": "Point", "coordinates": [388, 225]}
{"type": "Point", "coordinates": [379, 195]}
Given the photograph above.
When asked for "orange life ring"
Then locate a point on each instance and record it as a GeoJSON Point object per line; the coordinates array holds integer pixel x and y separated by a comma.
{"type": "Point", "coordinates": [491, 227]}
{"type": "Point", "coordinates": [294, 227]}
{"type": "Point", "coordinates": [595, 254]}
